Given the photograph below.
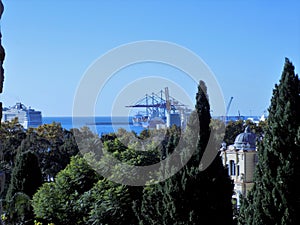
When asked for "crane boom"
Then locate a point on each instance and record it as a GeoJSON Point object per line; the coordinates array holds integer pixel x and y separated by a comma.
{"type": "Point", "coordinates": [228, 106]}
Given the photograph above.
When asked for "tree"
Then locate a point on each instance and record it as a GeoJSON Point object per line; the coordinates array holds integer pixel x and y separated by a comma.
{"type": "Point", "coordinates": [25, 180]}
{"type": "Point", "coordinates": [54, 146]}
{"type": "Point", "coordinates": [11, 136]}
{"type": "Point", "coordinates": [57, 201]}
{"type": "Point", "coordinates": [234, 128]}
{"type": "Point", "coordinates": [192, 196]}
{"type": "Point", "coordinates": [2, 56]}
{"type": "Point", "coordinates": [275, 197]}
{"type": "Point", "coordinates": [109, 203]}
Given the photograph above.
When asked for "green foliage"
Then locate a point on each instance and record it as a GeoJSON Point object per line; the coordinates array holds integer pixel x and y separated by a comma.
{"type": "Point", "coordinates": [46, 202]}
{"type": "Point", "coordinates": [275, 198]}
{"type": "Point", "coordinates": [133, 154]}
{"type": "Point", "coordinates": [218, 130]}
{"type": "Point", "coordinates": [233, 129]}
{"type": "Point", "coordinates": [26, 155]}
{"type": "Point", "coordinates": [57, 202]}
{"type": "Point", "coordinates": [11, 136]}
{"type": "Point", "coordinates": [110, 203]}
{"type": "Point", "coordinates": [26, 175]}
{"type": "Point", "coordinates": [63, 202]}
{"type": "Point", "coordinates": [54, 146]}
{"type": "Point", "coordinates": [26, 178]}
{"type": "Point", "coordinates": [145, 134]}
{"type": "Point", "coordinates": [20, 210]}
{"type": "Point", "coordinates": [191, 196]}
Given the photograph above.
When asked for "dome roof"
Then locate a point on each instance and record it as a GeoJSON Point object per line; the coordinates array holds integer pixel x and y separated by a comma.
{"type": "Point", "coordinates": [246, 140]}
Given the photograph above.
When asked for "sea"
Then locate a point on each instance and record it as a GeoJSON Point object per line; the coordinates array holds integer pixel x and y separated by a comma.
{"type": "Point", "coordinates": [100, 124]}
{"type": "Point", "coordinates": [106, 124]}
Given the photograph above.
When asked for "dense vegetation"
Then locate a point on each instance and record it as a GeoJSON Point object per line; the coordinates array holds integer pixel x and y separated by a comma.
{"type": "Point", "coordinates": [49, 181]}
{"type": "Point", "coordinates": [30, 158]}
{"type": "Point", "coordinates": [192, 196]}
{"type": "Point", "coordinates": [275, 197]}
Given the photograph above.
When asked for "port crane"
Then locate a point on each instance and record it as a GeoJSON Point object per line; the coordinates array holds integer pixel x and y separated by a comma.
{"type": "Point", "coordinates": [168, 103]}
{"type": "Point", "coordinates": [168, 106]}
{"type": "Point", "coordinates": [160, 105]}
{"type": "Point", "coordinates": [227, 109]}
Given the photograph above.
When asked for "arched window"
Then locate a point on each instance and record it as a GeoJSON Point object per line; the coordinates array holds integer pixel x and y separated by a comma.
{"type": "Point", "coordinates": [232, 167]}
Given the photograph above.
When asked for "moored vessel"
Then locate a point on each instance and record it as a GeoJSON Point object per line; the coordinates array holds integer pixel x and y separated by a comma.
{"type": "Point", "coordinates": [27, 117]}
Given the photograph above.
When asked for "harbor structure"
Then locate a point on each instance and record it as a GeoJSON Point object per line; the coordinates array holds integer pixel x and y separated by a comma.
{"type": "Point", "coordinates": [160, 111]}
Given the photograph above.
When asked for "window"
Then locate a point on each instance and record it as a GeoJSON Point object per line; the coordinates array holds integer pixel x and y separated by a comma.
{"type": "Point", "coordinates": [227, 166]}
{"type": "Point", "coordinates": [232, 167]}
{"type": "Point", "coordinates": [238, 170]}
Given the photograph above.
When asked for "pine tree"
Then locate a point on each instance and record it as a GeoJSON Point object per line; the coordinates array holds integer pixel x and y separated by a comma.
{"type": "Point", "coordinates": [275, 197]}
{"type": "Point", "coordinates": [192, 196]}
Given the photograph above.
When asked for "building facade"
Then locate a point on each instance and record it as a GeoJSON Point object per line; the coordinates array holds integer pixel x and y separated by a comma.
{"type": "Point", "coordinates": [240, 159]}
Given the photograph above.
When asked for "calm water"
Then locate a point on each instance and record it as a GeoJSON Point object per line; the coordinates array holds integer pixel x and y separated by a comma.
{"type": "Point", "coordinates": [103, 124]}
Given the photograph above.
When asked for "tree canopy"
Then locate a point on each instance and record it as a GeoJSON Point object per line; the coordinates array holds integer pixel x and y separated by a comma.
{"type": "Point", "coordinates": [192, 196]}
{"type": "Point", "coordinates": [275, 197]}
{"type": "Point", "coordinates": [25, 180]}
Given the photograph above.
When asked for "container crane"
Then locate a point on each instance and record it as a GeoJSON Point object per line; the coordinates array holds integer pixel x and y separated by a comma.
{"type": "Point", "coordinates": [160, 106]}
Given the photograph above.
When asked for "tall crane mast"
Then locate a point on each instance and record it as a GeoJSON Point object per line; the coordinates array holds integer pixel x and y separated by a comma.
{"type": "Point", "coordinates": [227, 108]}
{"type": "Point", "coordinates": [168, 107]}
{"type": "Point", "coordinates": [168, 103]}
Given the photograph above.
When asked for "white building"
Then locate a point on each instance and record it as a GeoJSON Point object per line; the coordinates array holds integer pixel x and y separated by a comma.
{"type": "Point", "coordinates": [241, 158]}
{"type": "Point", "coordinates": [27, 117]}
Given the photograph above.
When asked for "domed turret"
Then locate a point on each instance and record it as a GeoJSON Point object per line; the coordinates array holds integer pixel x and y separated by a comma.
{"type": "Point", "coordinates": [246, 140]}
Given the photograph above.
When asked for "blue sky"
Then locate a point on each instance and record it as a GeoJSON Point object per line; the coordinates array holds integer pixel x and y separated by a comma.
{"type": "Point", "coordinates": [50, 44]}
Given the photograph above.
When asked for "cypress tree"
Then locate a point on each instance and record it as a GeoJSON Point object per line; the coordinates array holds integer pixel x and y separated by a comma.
{"type": "Point", "coordinates": [192, 196]}
{"type": "Point", "coordinates": [26, 175]}
{"type": "Point", "coordinates": [275, 197]}
{"type": "Point", "coordinates": [25, 180]}
{"type": "Point", "coordinates": [214, 185]}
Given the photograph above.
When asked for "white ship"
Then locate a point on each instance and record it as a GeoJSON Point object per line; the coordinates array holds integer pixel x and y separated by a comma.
{"type": "Point", "coordinates": [27, 117]}
{"type": "Point", "coordinates": [140, 120]}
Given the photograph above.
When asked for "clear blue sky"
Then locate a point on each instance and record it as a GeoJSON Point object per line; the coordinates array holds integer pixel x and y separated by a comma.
{"type": "Point", "coordinates": [50, 44]}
